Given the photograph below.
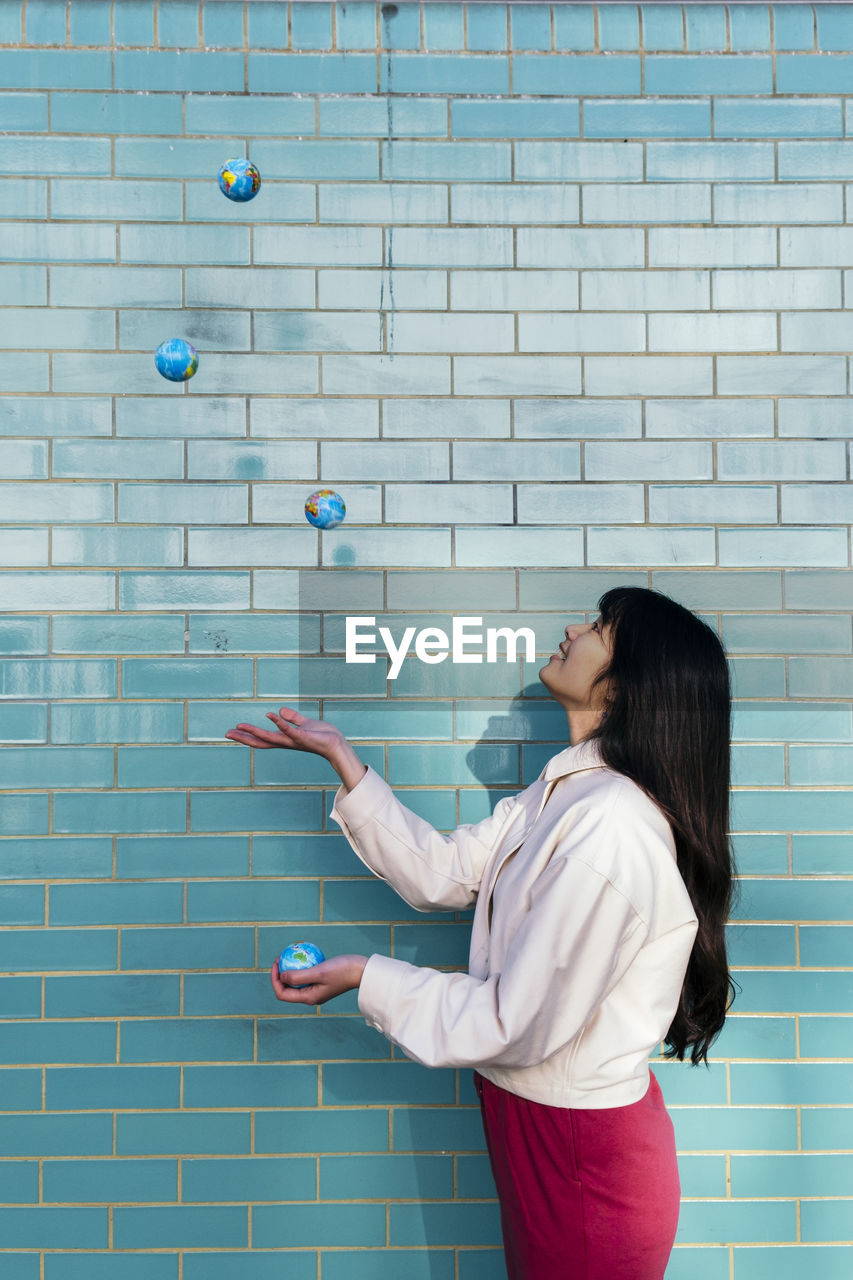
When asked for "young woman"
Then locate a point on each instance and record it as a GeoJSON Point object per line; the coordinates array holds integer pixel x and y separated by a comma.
{"type": "Point", "coordinates": [602, 892]}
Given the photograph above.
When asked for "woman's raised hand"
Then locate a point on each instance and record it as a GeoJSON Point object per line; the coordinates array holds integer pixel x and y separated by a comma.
{"type": "Point", "coordinates": [292, 730]}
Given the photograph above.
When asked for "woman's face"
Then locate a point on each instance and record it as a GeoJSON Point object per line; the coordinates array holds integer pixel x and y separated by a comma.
{"type": "Point", "coordinates": [569, 673]}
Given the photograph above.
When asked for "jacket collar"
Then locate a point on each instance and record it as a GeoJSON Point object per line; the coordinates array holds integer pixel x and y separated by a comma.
{"type": "Point", "coordinates": [586, 755]}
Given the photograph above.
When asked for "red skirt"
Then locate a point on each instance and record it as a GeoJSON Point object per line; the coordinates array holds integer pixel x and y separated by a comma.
{"type": "Point", "coordinates": [584, 1194]}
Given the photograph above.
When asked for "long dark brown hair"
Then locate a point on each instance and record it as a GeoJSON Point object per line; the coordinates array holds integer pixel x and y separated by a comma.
{"type": "Point", "coordinates": [668, 728]}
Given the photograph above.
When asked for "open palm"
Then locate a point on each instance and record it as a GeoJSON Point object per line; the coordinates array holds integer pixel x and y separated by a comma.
{"type": "Point", "coordinates": [292, 730]}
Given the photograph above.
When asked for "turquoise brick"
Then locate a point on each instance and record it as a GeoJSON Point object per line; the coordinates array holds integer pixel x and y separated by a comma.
{"type": "Point", "coordinates": [223, 26]}
{"type": "Point", "coordinates": [833, 27]}
{"type": "Point", "coordinates": [618, 28]}
{"type": "Point", "coordinates": [178, 71]}
{"type": "Point", "coordinates": [316, 158]}
{"type": "Point", "coordinates": [260, 900]}
{"type": "Point", "coordinates": [324, 1039]}
{"type": "Point", "coordinates": [212, 719]}
{"type": "Point", "coordinates": [663, 27]}
{"type": "Point", "coordinates": [443, 161]}
{"type": "Point", "coordinates": [821, 855]}
{"type": "Point", "coordinates": [187, 503]}
{"type": "Point", "coordinates": [677, 119]}
{"type": "Point", "coordinates": [252, 1086]}
{"type": "Point", "coordinates": [749, 27]}
{"type": "Point", "coordinates": [45, 22]}
{"type": "Point", "coordinates": [803, 203]}
{"type": "Point", "coordinates": [497, 119]}
{"type": "Point", "coordinates": [230, 115]}
{"type": "Point", "coordinates": [117, 722]}
{"type": "Point", "coordinates": [446, 1223]}
{"type": "Point", "coordinates": [11, 28]}
{"type": "Point", "coordinates": [24, 815]}
{"type": "Point", "coordinates": [21, 904]}
{"type": "Point", "coordinates": [804, 721]}
{"type": "Point", "coordinates": [35, 678]}
{"type": "Point", "coordinates": [386, 1264]}
{"type": "Point", "coordinates": [111, 995]}
{"type": "Point", "coordinates": [800, 633]}
{"type": "Point", "coordinates": [399, 28]}
{"type": "Point", "coordinates": [111, 1181]}
{"type": "Point", "coordinates": [56, 1135]}
{"type": "Point", "coordinates": [37, 859]}
{"type": "Point", "coordinates": [190, 1040]}
{"type": "Point", "coordinates": [248, 1179]}
{"type": "Point", "coordinates": [78, 1088]}
{"type": "Point", "coordinates": [89, 23]}
{"type": "Point", "coordinates": [134, 23]}
{"type": "Point", "coordinates": [357, 117]}
{"type": "Point", "coordinates": [798, 160]}
{"type": "Point", "coordinates": [705, 73]}
{"type": "Point", "coordinates": [181, 766]}
{"type": "Point", "coordinates": [113, 286]}
{"type": "Point", "coordinates": [230, 993]}
{"type": "Point", "coordinates": [23, 635]}
{"type": "Point", "coordinates": [738, 1128]}
{"type": "Point", "coordinates": [829, 766]}
{"type": "Point", "coordinates": [268, 26]}
{"type": "Point", "coordinates": [775, 899]}
{"type": "Point", "coordinates": [59, 590]}
{"type": "Point", "coordinates": [19, 998]}
{"type": "Point", "coordinates": [395, 1177]}
{"type": "Point", "coordinates": [437, 73]}
{"type": "Point", "coordinates": [172, 1133]}
{"type": "Point", "coordinates": [318, 677]}
{"type": "Point", "coordinates": [50, 949]}
{"type": "Point", "coordinates": [178, 23]}
{"type": "Point", "coordinates": [116, 113]}
{"type": "Point", "coordinates": [355, 25]}
{"type": "Point", "coordinates": [185, 244]}
{"type": "Point", "coordinates": [118, 634]}
{"type": "Point", "coordinates": [309, 73]}
{"type": "Point", "coordinates": [54, 69]}
{"type": "Point", "coordinates": [787, 1263]}
{"type": "Point", "coordinates": [37, 327]}
{"type": "Point", "coordinates": [782, 1082]}
{"type": "Point", "coordinates": [762, 1037]}
{"type": "Point", "coordinates": [85, 904]}
{"type": "Point", "coordinates": [387, 1082]}
{"type": "Point", "coordinates": [33, 1228]}
{"type": "Point", "coordinates": [187, 677]}
{"type": "Point", "coordinates": [96, 812]}
{"type": "Point", "coordinates": [427, 1128]}
{"type": "Point", "coordinates": [19, 1185]}
{"type": "Point", "coordinates": [28, 285]}
{"type": "Point", "coordinates": [487, 27]}
{"type": "Point", "coordinates": [474, 1178]}
{"type": "Point", "coordinates": [598, 74]}
{"type": "Point", "coordinates": [793, 27]}
{"type": "Point", "coordinates": [727, 1221]}
{"type": "Point", "coordinates": [259, 633]}
{"type": "Point", "coordinates": [201, 415]}
{"type": "Point", "coordinates": [83, 242]}
{"type": "Point", "coordinates": [761, 945]}
{"type": "Point", "coordinates": [311, 26]}
{"type": "Point", "coordinates": [585, 161]}
{"type": "Point", "coordinates": [310, 855]}
{"type": "Point", "coordinates": [58, 767]}
{"type": "Point", "coordinates": [530, 26]}
{"type": "Point", "coordinates": [392, 202]}
{"type": "Point", "coordinates": [825, 1127]}
{"type": "Point", "coordinates": [705, 27]}
{"type": "Point", "coordinates": [574, 27]}
{"type": "Point", "coordinates": [334, 1224]}
{"type": "Point", "coordinates": [181, 856]}
{"type": "Point", "coordinates": [805, 589]}
{"type": "Point", "coordinates": [180, 1226]}
{"type": "Point", "coordinates": [824, 1038]}
{"type": "Point", "coordinates": [24, 112]}
{"type": "Point", "coordinates": [314, 1131]}
{"type": "Point", "coordinates": [798, 118]}
{"type": "Point", "coordinates": [230, 811]}
{"type": "Point", "coordinates": [141, 201]}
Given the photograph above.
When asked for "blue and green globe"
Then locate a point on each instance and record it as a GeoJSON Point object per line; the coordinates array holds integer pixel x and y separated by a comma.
{"type": "Point", "coordinates": [300, 955]}
{"type": "Point", "coordinates": [239, 180]}
{"type": "Point", "coordinates": [176, 359]}
{"type": "Point", "coordinates": [325, 509]}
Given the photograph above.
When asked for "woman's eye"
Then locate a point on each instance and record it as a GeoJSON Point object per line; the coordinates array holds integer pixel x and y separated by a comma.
{"type": "Point", "coordinates": [595, 626]}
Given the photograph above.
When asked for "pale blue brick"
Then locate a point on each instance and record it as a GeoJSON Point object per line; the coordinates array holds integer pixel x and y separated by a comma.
{"type": "Point", "coordinates": [223, 26]}
{"type": "Point", "coordinates": [584, 332]}
{"type": "Point", "coordinates": [690, 202]}
{"type": "Point", "coordinates": [443, 161]}
{"type": "Point", "coordinates": [107, 374]}
{"type": "Point", "coordinates": [633, 461]}
{"type": "Point", "coordinates": [574, 27]}
{"type": "Point", "coordinates": [711, 247]}
{"type": "Point", "coordinates": [254, 634]}
{"type": "Point", "coordinates": [97, 812]}
{"type": "Point", "coordinates": [310, 245]}
{"type": "Point", "coordinates": [57, 503]}
{"type": "Point", "coordinates": [816, 246]}
{"type": "Point", "coordinates": [444, 74]}
{"type": "Point", "coordinates": [399, 28]}
{"type": "Point", "coordinates": [712, 504]}
{"type": "Point", "coordinates": [384, 375]}
{"type": "Point", "coordinates": [821, 766]}
{"type": "Point", "coordinates": [38, 416]}
{"type": "Point", "coordinates": [818, 547]}
{"type": "Point", "coordinates": [455, 419]}
{"type": "Point", "coordinates": [530, 26]}
{"type": "Point", "coordinates": [514, 290]}
{"type": "Point", "coordinates": [521, 547]}
{"type": "Point", "coordinates": [178, 158]}
{"type": "Point", "coordinates": [24, 372]}
{"type": "Point", "coordinates": [236, 287]}
{"type": "Point", "coordinates": [516, 375]}
{"type": "Point", "coordinates": [648, 375]}
{"type": "Point", "coordinates": [515, 204]}
{"type": "Point", "coordinates": [199, 416]}
{"type": "Point", "coordinates": [686, 331]}
{"type": "Point", "coordinates": [710, 161]}
{"type": "Point", "coordinates": [177, 23]}
{"type": "Point", "coordinates": [183, 503]}
{"type": "Point", "coordinates": [355, 26]}
{"type": "Point", "coordinates": [449, 504]}
{"type": "Point", "coordinates": [115, 286]}
{"type": "Point", "coordinates": [636, 119]}
{"type": "Point", "coordinates": [339, 417]}
{"type": "Point", "coordinates": [23, 112]}
{"type": "Point", "coordinates": [799, 160]}
{"type": "Point", "coordinates": [429, 332]}
{"type": "Point", "coordinates": [99, 634]}
{"type": "Point", "coordinates": [38, 327]}
{"type": "Point", "coordinates": [120, 547]}
{"type": "Point", "coordinates": [23, 198]}
{"type": "Point", "coordinates": [809, 590]}
{"type": "Point", "coordinates": [310, 73]}
{"type": "Point", "coordinates": [781, 461]}
{"type": "Point", "coordinates": [512, 462]}
{"type": "Point", "coordinates": [210, 547]}
{"type": "Point", "coordinates": [645, 290]}
{"type": "Point", "coordinates": [191, 590]}
{"type": "Point", "coordinates": [268, 26]}
{"type": "Point", "coordinates": [775, 375]}
{"type": "Point", "coordinates": [749, 27]}
{"type": "Point", "coordinates": [204, 203]}
{"type": "Point", "coordinates": [487, 27]}
{"type": "Point", "coordinates": [311, 25]}
{"type": "Point", "coordinates": [27, 285]}
{"type": "Point", "coordinates": [388, 202]}
{"type": "Point", "coordinates": [813, 73]}
{"type": "Point", "coordinates": [184, 244]}
{"type": "Point", "coordinates": [821, 331]}
{"type": "Point", "coordinates": [833, 27]}
{"type": "Point", "coordinates": [23, 635]}
{"type": "Point", "coordinates": [380, 290]}
{"type": "Point", "coordinates": [178, 71]}
{"type": "Point", "coordinates": [705, 27]}
{"type": "Point", "coordinates": [556, 74]}
{"type": "Point", "coordinates": [317, 158]}
{"type": "Point", "coordinates": [793, 27]}
{"type": "Point", "coordinates": [258, 374]}
{"type": "Point", "coordinates": [255, 461]}
{"type": "Point", "coordinates": [11, 24]}
{"type": "Point", "coordinates": [116, 112]}
{"type": "Point", "coordinates": [707, 73]}
{"type": "Point", "coordinates": [134, 23]}
{"type": "Point", "coordinates": [111, 200]}
{"type": "Point", "coordinates": [776, 290]}
{"type": "Point", "coordinates": [585, 161]}
{"type": "Point", "coordinates": [455, 247]}
{"type": "Point", "coordinates": [103, 459]}
{"type": "Point", "coordinates": [576, 503]}
{"type": "Point", "coordinates": [233, 114]}
{"type": "Point", "coordinates": [84, 242]}
{"type": "Point", "coordinates": [814, 417]}
{"type": "Point", "coordinates": [550, 247]}
{"type": "Point", "coordinates": [19, 547]}
{"type": "Point", "coordinates": [143, 330]}
{"type": "Point", "coordinates": [801, 203]}
{"type": "Point", "coordinates": [502, 119]}
{"type": "Point", "coordinates": [23, 458]}
{"type": "Point", "coordinates": [54, 69]}
{"type": "Point", "coordinates": [757, 118]}
{"type": "Point", "coordinates": [45, 22]}
{"type": "Point", "coordinates": [816, 504]}
{"type": "Point", "coordinates": [354, 117]}
{"type": "Point", "coordinates": [59, 591]}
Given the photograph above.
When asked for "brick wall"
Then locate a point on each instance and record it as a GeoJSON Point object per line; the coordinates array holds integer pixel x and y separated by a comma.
{"type": "Point", "coordinates": [557, 298]}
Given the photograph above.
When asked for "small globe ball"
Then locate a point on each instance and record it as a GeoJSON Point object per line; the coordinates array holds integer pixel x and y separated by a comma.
{"type": "Point", "coordinates": [325, 509]}
{"type": "Point", "coordinates": [176, 360]}
{"type": "Point", "coordinates": [239, 180]}
{"type": "Point", "coordinates": [300, 955]}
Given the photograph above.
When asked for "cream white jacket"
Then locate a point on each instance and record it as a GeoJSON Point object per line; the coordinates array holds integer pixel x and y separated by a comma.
{"type": "Point", "coordinates": [581, 935]}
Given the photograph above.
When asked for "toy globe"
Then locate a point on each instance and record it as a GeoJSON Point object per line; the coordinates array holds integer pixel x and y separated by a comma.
{"type": "Point", "coordinates": [176, 359]}
{"type": "Point", "coordinates": [325, 509]}
{"type": "Point", "coordinates": [239, 180]}
{"type": "Point", "coordinates": [300, 955]}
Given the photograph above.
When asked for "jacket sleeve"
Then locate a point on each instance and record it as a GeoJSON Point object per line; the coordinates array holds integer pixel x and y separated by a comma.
{"type": "Point", "coordinates": [574, 943]}
{"type": "Point", "coordinates": [427, 869]}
